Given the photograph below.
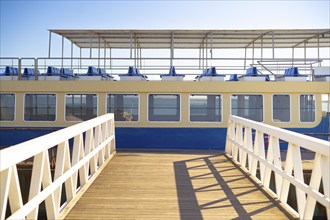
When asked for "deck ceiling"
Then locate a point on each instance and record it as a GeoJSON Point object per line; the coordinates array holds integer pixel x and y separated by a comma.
{"type": "Point", "coordinates": [195, 39]}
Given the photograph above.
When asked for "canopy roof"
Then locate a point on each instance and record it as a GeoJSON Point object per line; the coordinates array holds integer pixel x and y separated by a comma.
{"type": "Point", "coordinates": [194, 39]}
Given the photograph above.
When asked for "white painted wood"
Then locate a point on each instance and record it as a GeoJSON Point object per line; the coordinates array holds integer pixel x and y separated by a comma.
{"type": "Point", "coordinates": [88, 156]}
{"type": "Point", "coordinates": [314, 184]}
{"type": "Point", "coordinates": [307, 195]}
{"type": "Point", "coordinates": [4, 190]}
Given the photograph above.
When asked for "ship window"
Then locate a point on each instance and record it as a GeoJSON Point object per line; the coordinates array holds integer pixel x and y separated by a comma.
{"type": "Point", "coordinates": [7, 107]}
{"type": "Point", "coordinates": [247, 106]}
{"type": "Point", "coordinates": [281, 108]}
{"type": "Point", "coordinates": [307, 108]}
{"type": "Point", "coordinates": [80, 107]}
{"type": "Point", "coordinates": [205, 108]}
{"type": "Point", "coordinates": [124, 106]}
{"type": "Point", "coordinates": [40, 107]}
{"type": "Point", "coordinates": [164, 107]}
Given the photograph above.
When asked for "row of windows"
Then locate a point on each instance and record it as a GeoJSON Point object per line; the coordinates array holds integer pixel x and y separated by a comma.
{"type": "Point", "coordinates": [161, 107]}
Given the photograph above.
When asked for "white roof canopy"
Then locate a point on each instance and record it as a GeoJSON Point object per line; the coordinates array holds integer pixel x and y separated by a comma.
{"type": "Point", "coordinates": [196, 39]}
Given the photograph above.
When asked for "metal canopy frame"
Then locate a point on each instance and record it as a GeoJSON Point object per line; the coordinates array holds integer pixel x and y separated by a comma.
{"type": "Point", "coordinates": [195, 39]}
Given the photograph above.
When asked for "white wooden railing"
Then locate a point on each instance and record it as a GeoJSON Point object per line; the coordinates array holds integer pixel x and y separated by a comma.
{"type": "Point", "coordinates": [248, 153]}
{"type": "Point", "coordinates": [93, 147]}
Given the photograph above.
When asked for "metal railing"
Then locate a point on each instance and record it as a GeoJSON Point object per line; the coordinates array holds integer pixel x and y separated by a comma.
{"type": "Point", "coordinates": [83, 150]}
{"type": "Point", "coordinates": [161, 65]}
{"type": "Point", "coordinates": [246, 145]}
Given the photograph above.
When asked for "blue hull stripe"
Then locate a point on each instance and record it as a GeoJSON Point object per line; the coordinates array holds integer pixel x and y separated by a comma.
{"type": "Point", "coordinates": [155, 138]}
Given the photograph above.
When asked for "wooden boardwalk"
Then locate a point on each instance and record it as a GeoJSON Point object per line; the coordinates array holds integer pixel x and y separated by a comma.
{"type": "Point", "coordinates": [162, 185]}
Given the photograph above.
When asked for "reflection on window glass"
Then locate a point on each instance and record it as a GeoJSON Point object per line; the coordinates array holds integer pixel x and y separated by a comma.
{"type": "Point", "coordinates": [307, 108]}
{"type": "Point", "coordinates": [80, 107]}
{"type": "Point", "coordinates": [247, 106]}
{"type": "Point", "coordinates": [124, 106]}
{"type": "Point", "coordinates": [281, 108]}
{"type": "Point", "coordinates": [7, 107]}
{"type": "Point", "coordinates": [40, 107]}
{"type": "Point", "coordinates": [164, 107]}
{"type": "Point", "coordinates": [205, 108]}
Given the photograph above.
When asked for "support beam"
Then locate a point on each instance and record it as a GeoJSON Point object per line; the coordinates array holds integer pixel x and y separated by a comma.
{"type": "Point", "coordinates": [314, 36]}
{"type": "Point", "coordinates": [71, 54]}
{"type": "Point", "coordinates": [172, 49]}
{"type": "Point", "coordinates": [62, 50]}
{"type": "Point", "coordinates": [211, 51]}
{"type": "Point", "coordinates": [99, 50]}
{"type": "Point", "coordinates": [50, 43]}
{"type": "Point", "coordinates": [273, 44]}
{"type": "Point", "coordinates": [131, 42]}
{"type": "Point", "coordinates": [257, 38]}
{"type": "Point", "coordinates": [90, 48]}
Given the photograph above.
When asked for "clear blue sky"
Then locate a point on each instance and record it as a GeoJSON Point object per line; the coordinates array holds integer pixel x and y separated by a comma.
{"type": "Point", "coordinates": [24, 23]}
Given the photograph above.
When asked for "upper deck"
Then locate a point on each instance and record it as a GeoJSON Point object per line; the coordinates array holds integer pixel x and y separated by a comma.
{"type": "Point", "coordinates": [153, 52]}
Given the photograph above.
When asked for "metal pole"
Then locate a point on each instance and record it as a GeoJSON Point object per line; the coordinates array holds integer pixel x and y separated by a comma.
{"type": "Point", "coordinates": [110, 58]}
{"type": "Point", "coordinates": [90, 47]}
{"type": "Point", "coordinates": [98, 60]}
{"type": "Point", "coordinates": [318, 51]}
{"type": "Point", "coordinates": [245, 58]}
{"type": "Point", "coordinates": [71, 54]}
{"type": "Point", "coordinates": [292, 57]}
{"type": "Point", "coordinates": [203, 57]}
{"type": "Point", "coordinates": [172, 48]}
{"type": "Point", "coordinates": [135, 50]}
{"type": "Point", "coordinates": [62, 49]}
{"type": "Point", "coordinates": [80, 59]}
{"type": "Point", "coordinates": [105, 53]}
{"type": "Point", "coordinates": [206, 51]}
{"type": "Point", "coordinates": [273, 41]}
{"type": "Point", "coordinates": [131, 45]}
{"type": "Point", "coordinates": [305, 52]}
{"type": "Point", "coordinates": [253, 52]}
{"type": "Point", "coordinates": [140, 58]}
{"type": "Point", "coordinates": [199, 58]}
{"type": "Point", "coordinates": [211, 51]}
{"type": "Point", "coordinates": [262, 46]}
{"type": "Point", "coordinates": [50, 43]}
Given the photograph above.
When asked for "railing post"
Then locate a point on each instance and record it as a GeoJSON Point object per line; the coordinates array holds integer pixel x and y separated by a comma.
{"type": "Point", "coordinates": [42, 187]}
{"type": "Point", "coordinates": [283, 178]}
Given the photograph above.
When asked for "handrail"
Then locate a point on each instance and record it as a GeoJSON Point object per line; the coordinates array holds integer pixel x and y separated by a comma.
{"type": "Point", "coordinates": [248, 153]}
{"type": "Point", "coordinates": [93, 147]}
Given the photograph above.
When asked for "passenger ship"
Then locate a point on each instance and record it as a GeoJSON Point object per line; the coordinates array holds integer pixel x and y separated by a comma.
{"type": "Point", "coordinates": [170, 88]}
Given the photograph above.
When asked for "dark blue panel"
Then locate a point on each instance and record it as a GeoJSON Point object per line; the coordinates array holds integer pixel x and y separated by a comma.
{"type": "Point", "coordinates": [171, 138]}
{"type": "Point", "coordinates": [9, 137]}
{"type": "Point", "coordinates": [156, 138]}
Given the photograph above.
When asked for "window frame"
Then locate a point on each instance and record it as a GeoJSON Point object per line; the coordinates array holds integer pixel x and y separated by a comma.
{"type": "Point", "coordinates": [97, 105]}
{"type": "Point", "coordinates": [139, 106]}
{"type": "Point", "coordinates": [39, 93]}
{"type": "Point", "coordinates": [15, 106]}
{"type": "Point", "coordinates": [205, 94]}
{"type": "Point", "coordinates": [315, 108]}
{"type": "Point", "coordinates": [290, 108]}
{"type": "Point", "coordinates": [263, 104]}
{"type": "Point", "coordinates": [180, 107]}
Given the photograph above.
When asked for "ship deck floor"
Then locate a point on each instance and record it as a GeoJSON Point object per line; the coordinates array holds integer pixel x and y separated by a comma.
{"type": "Point", "coordinates": [175, 185]}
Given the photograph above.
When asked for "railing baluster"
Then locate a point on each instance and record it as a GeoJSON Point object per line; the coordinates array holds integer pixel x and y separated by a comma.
{"type": "Point", "coordinates": [4, 190]}
{"type": "Point", "coordinates": [277, 163]}
{"type": "Point", "coordinates": [37, 170]}
{"type": "Point", "coordinates": [283, 178]}
{"type": "Point", "coordinates": [315, 184]}
{"type": "Point", "coordinates": [298, 174]}
{"type": "Point", "coordinates": [288, 170]}
{"type": "Point", "coordinates": [249, 146]}
{"type": "Point", "coordinates": [270, 159]}
{"type": "Point", "coordinates": [98, 147]}
{"type": "Point", "coordinates": [325, 164]}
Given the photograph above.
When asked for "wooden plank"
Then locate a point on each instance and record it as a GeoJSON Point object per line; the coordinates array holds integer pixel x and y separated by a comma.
{"type": "Point", "coordinates": [180, 185]}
